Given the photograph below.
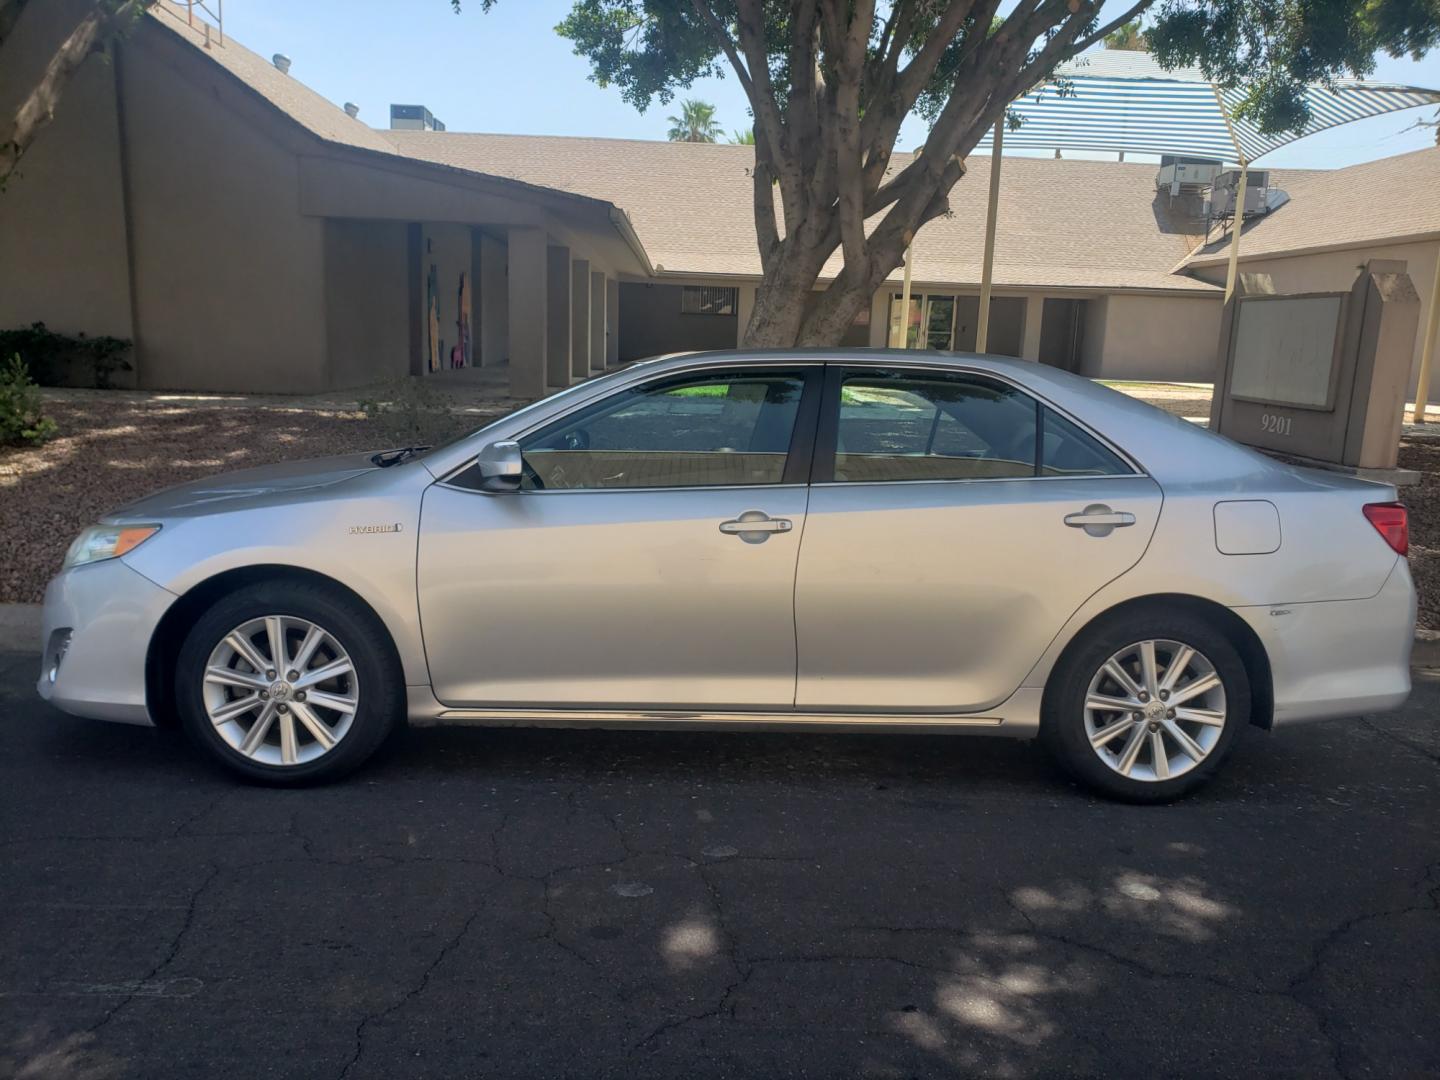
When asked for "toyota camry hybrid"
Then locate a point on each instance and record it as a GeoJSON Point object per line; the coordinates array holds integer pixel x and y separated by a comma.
{"type": "Point", "coordinates": [837, 540]}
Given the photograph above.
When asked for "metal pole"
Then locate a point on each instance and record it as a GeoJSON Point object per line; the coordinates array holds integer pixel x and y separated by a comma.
{"type": "Point", "coordinates": [982, 325]}
{"type": "Point", "coordinates": [899, 327]}
{"type": "Point", "coordinates": [1427, 350]}
{"type": "Point", "coordinates": [1239, 219]}
{"type": "Point", "coordinates": [1236, 227]}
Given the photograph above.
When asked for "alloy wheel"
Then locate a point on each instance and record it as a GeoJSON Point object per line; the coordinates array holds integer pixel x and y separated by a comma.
{"type": "Point", "coordinates": [281, 690]}
{"type": "Point", "coordinates": [1155, 710]}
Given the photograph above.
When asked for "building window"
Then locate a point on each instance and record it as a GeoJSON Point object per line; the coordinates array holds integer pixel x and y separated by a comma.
{"type": "Point", "coordinates": [708, 300]}
{"type": "Point", "coordinates": [930, 323]}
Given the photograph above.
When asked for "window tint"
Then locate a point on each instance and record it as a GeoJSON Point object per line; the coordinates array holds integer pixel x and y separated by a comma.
{"type": "Point", "coordinates": [696, 431]}
{"type": "Point", "coordinates": [914, 426]}
{"type": "Point", "coordinates": [1068, 451]}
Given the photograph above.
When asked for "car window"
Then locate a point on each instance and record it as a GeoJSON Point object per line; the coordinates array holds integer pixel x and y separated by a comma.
{"type": "Point", "coordinates": [694, 431]}
{"type": "Point", "coordinates": [924, 426]}
{"type": "Point", "coordinates": [1068, 451]}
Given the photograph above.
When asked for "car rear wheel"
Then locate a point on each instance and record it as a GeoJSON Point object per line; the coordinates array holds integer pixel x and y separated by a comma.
{"type": "Point", "coordinates": [288, 683]}
{"type": "Point", "coordinates": [1147, 705]}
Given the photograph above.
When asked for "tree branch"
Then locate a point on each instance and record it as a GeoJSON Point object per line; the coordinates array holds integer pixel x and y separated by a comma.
{"type": "Point", "coordinates": [37, 110]}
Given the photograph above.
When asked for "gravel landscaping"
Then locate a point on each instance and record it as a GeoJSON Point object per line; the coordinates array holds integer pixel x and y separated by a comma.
{"type": "Point", "coordinates": [115, 447]}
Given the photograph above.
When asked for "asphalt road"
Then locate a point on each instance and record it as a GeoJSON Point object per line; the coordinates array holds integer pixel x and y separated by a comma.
{"type": "Point", "coordinates": [558, 904]}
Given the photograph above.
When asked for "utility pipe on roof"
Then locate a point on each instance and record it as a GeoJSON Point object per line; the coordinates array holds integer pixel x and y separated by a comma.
{"type": "Point", "coordinates": [987, 269]}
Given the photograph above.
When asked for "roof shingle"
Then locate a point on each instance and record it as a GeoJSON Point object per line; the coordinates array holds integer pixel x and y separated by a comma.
{"type": "Point", "coordinates": [1370, 203]}
{"type": "Point", "coordinates": [691, 206]}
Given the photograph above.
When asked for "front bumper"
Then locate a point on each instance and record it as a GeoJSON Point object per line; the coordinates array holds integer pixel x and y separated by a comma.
{"type": "Point", "coordinates": [96, 628]}
{"type": "Point", "coordinates": [1341, 657]}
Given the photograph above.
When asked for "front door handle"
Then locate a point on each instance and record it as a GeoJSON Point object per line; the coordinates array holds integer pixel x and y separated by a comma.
{"type": "Point", "coordinates": [1097, 519]}
{"type": "Point", "coordinates": [755, 526]}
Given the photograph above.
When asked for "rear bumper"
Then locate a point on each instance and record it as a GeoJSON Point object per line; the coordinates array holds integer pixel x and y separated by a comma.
{"type": "Point", "coordinates": [1339, 658]}
{"type": "Point", "coordinates": [96, 629]}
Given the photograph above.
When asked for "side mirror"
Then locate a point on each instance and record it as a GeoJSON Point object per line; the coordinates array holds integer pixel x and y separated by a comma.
{"type": "Point", "coordinates": [501, 466]}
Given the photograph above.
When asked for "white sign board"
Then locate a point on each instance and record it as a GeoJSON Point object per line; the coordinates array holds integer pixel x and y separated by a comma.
{"type": "Point", "coordinates": [1285, 350]}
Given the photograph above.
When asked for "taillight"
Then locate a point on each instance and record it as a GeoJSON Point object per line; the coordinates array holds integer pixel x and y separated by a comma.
{"type": "Point", "coordinates": [1391, 522]}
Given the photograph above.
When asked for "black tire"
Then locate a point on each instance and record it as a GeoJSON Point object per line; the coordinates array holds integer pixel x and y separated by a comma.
{"type": "Point", "coordinates": [381, 698]}
{"type": "Point", "coordinates": [1063, 726]}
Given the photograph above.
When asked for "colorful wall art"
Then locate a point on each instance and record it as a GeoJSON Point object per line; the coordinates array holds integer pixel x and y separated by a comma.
{"type": "Point", "coordinates": [461, 354]}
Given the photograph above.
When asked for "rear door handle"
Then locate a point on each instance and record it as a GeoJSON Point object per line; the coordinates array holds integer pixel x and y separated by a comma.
{"type": "Point", "coordinates": [755, 526]}
{"type": "Point", "coordinates": [1098, 519]}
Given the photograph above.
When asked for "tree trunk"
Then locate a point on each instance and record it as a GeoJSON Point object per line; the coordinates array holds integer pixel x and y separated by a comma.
{"type": "Point", "coordinates": [835, 313]}
{"type": "Point", "coordinates": [782, 297]}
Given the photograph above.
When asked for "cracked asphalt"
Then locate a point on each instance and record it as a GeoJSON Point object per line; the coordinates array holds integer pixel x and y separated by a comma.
{"type": "Point", "coordinates": [590, 904]}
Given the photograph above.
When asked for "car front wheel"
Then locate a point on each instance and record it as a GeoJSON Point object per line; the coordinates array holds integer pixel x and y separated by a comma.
{"type": "Point", "coordinates": [1146, 707]}
{"type": "Point", "coordinates": [288, 683]}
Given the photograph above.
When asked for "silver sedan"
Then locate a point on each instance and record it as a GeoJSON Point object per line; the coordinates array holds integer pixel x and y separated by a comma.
{"type": "Point", "coordinates": [893, 541]}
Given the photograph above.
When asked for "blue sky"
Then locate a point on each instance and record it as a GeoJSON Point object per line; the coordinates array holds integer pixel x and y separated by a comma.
{"type": "Point", "coordinates": [508, 71]}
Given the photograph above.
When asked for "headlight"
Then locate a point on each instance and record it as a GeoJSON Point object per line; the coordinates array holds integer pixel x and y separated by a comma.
{"type": "Point", "coordinates": [106, 542]}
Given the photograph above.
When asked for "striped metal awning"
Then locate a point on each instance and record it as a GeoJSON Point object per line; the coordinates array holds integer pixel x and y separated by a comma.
{"type": "Point", "coordinates": [1125, 101]}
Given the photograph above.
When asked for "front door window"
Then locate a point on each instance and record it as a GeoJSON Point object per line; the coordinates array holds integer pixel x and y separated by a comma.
{"type": "Point", "coordinates": [708, 430]}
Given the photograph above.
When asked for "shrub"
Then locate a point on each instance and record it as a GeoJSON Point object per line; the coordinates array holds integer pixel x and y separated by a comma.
{"type": "Point", "coordinates": [22, 422]}
{"type": "Point", "coordinates": [61, 360]}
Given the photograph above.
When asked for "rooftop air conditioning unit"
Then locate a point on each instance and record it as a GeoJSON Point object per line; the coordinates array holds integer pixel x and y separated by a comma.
{"type": "Point", "coordinates": [413, 118]}
{"type": "Point", "coordinates": [1226, 186]}
{"type": "Point", "coordinates": [1186, 175]}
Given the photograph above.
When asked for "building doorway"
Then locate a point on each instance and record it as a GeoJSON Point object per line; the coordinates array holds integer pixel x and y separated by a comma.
{"type": "Point", "coordinates": [948, 322]}
{"type": "Point", "coordinates": [1062, 332]}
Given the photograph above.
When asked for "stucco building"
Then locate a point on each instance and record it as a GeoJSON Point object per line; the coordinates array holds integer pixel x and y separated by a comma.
{"type": "Point", "coordinates": [248, 234]}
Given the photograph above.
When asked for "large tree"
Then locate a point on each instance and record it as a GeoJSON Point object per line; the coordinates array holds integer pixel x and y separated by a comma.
{"type": "Point", "coordinates": [91, 28]}
{"type": "Point", "coordinates": [830, 83]}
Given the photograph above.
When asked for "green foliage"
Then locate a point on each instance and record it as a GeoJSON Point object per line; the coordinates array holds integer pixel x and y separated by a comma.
{"type": "Point", "coordinates": [742, 137]}
{"type": "Point", "coordinates": [409, 411]}
{"type": "Point", "coordinates": [696, 123]}
{"type": "Point", "coordinates": [62, 360]}
{"type": "Point", "coordinates": [649, 49]}
{"type": "Point", "coordinates": [22, 419]}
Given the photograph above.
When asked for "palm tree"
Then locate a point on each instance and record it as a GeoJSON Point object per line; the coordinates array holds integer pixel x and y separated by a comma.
{"type": "Point", "coordinates": [696, 122]}
{"type": "Point", "coordinates": [1127, 38]}
{"type": "Point", "coordinates": [742, 137]}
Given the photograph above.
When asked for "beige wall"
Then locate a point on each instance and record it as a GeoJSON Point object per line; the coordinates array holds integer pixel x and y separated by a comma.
{"type": "Point", "coordinates": [228, 275]}
{"type": "Point", "coordinates": [1135, 336]}
{"type": "Point", "coordinates": [67, 269]}
{"type": "Point", "coordinates": [366, 301]}
{"type": "Point", "coordinates": [652, 323]}
{"type": "Point", "coordinates": [493, 302]}
{"type": "Point", "coordinates": [1335, 271]}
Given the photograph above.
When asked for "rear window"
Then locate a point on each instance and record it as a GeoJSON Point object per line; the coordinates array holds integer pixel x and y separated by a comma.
{"type": "Point", "coordinates": [1065, 450]}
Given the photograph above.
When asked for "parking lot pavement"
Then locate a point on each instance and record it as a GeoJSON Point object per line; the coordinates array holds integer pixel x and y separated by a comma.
{"type": "Point", "coordinates": [526, 903]}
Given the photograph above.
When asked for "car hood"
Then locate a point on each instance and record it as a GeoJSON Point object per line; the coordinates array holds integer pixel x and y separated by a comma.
{"type": "Point", "coordinates": [218, 492]}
